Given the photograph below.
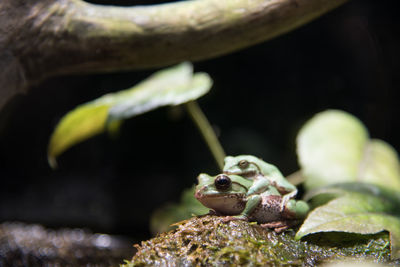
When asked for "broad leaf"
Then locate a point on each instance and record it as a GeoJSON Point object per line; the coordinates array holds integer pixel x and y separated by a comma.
{"type": "Point", "coordinates": [333, 147]}
{"type": "Point", "coordinates": [78, 125]}
{"type": "Point", "coordinates": [330, 147]}
{"type": "Point", "coordinates": [385, 194]}
{"type": "Point", "coordinates": [380, 165]}
{"type": "Point", "coordinates": [172, 86]}
{"type": "Point", "coordinates": [355, 213]}
{"type": "Point", "coordinates": [354, 181]}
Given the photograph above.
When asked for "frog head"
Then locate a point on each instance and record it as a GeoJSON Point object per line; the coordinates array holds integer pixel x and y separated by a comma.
{"type": "Point", "coordinates": [244, 165]}
{"type": "Point", "coordinates": [223, 193]}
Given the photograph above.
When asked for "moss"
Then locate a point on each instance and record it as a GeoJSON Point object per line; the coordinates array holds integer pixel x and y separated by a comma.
{"type": "Point", "coordinates": [207, 241]}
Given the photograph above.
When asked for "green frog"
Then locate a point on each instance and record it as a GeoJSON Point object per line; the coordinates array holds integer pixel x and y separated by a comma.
{"type": "Point", "coordinates": [229, 195]}
{"type": "Point", "coordinates": [262, 173]}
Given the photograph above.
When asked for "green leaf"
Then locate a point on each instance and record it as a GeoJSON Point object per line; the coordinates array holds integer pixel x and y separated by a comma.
{"type": "Point", "coordinates": [380, 165]}
{"type": "Point", "coordinates": [333, 147]}
{"type": "Point", "coordinates": [355, 213]}
{"type": "Point", "coordinates": [80, 124]}
{"type": "Point", "coordinates": [336, 190]}
{"type": "Point", "coordinates": [330, 148]}
{"type": "Point", "coordinates": [354, 181]}
{"type": "Point", "coordinates": [172, 86]}
{"type": "Point", "coordinates": [169, 87]}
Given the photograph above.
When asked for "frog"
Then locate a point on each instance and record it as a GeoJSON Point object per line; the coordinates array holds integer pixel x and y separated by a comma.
{"type": "Point", "coordinates": [227, 195]}
{"type": "Point", "coordinates": [262, 173]}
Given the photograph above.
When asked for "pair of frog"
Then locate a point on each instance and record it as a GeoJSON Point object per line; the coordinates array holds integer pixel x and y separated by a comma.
{"type": "Point", "coordinates": [252, 190]}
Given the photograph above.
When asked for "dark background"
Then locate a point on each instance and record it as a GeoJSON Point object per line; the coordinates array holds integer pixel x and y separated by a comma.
{"type": "Point", "coordinates": [347, 59]}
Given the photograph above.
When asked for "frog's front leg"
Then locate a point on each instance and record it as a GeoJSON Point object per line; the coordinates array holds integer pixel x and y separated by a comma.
{"type": "Point", "coordinates": [259, 185]}
{"type": "Point", "coordinates": [286, 198]}
{"type": "Point", "coordinates": [252, 202]}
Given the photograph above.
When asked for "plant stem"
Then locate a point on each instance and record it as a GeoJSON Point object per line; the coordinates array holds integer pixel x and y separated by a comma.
{"type": "Point", "coordinates": [207, 132]}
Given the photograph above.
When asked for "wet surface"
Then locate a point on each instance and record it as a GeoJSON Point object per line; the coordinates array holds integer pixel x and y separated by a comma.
{"type": "Point", "coordinates": [33, 245]}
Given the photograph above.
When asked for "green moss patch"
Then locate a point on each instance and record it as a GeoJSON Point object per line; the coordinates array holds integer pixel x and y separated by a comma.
{"type": "Point", "coordinates": [206, 240]}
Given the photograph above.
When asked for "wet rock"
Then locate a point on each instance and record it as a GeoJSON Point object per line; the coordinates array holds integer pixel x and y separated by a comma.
{"type": "Point", "coordinates": [33, 245]}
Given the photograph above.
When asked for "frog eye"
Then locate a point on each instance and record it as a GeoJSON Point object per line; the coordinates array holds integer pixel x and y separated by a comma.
{"type": "Point", "coordinates": [243, 164]}
{"type": "Point", "coordinates": [222, 182]}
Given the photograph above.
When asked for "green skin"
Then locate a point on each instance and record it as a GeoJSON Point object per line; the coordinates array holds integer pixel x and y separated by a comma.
{"type": "Point", "coordinates": [263, 174]}
{"type": "Point", "coordinates": [232, 199]}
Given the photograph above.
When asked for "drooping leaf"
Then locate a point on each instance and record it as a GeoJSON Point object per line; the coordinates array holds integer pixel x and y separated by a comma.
{"type": "Point", "coordinates": [172, 86]}
{"type": "Point", "coordinates": [78, 125]}
{"type": "Point", "coordinates": [355, 213]}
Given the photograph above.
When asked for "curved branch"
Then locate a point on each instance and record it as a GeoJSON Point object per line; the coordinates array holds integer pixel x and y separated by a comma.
{"type": "Point", "coordinates": [47, 38]}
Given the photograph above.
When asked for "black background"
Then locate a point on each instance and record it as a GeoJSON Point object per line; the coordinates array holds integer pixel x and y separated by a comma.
{"type": "Point", "coordinates": [347, 59]}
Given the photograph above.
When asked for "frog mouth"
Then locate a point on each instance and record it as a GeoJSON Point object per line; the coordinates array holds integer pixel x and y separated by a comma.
{"type": "Point", "coordinates": [224, 203]}
{"type": "Point", "coordinates": [199, 195]}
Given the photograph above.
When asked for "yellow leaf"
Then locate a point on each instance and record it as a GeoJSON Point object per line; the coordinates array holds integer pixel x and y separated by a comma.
{"type": "Point", "coordinates": [83, 122]}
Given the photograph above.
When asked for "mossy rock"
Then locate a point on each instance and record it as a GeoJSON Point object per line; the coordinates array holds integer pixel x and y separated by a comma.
{"type": "Point", "coordinates": [207, 241]}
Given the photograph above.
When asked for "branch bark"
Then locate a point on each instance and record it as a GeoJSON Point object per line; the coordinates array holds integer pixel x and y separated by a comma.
{"type": "Point", "coordinates": [43, 38]}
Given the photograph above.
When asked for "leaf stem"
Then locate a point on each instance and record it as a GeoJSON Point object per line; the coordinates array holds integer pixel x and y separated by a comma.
{"type": "Point", "coordinates": [207, 132]}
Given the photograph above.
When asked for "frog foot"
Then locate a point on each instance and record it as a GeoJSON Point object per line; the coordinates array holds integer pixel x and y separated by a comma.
{"type": "Point", "coordinates": [235, 218]}
{"type": "Point", "coordinates": [277, 226]}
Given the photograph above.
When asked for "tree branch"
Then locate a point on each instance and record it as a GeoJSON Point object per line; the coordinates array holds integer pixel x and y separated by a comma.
{"type": "Point", "coordinates": [39, 39]}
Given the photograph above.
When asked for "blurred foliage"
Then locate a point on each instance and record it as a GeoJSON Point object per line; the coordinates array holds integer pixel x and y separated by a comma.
{"type": "Point", "coordinates": [172, 86]}
{"type": "Point", "coordinates": [333, 148]}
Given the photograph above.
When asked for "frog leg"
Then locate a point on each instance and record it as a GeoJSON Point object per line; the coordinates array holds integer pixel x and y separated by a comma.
{"type": "Point", "coordinates": [259, 185]}
{"type": "Point", "coordinates": [286, 198]}
{"type": "Point", "coordinates": [251, 204]}
{"type": "Point", "coordinates": [292, 214]}
{"type": "Point", "coordinates": [296, 209]}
